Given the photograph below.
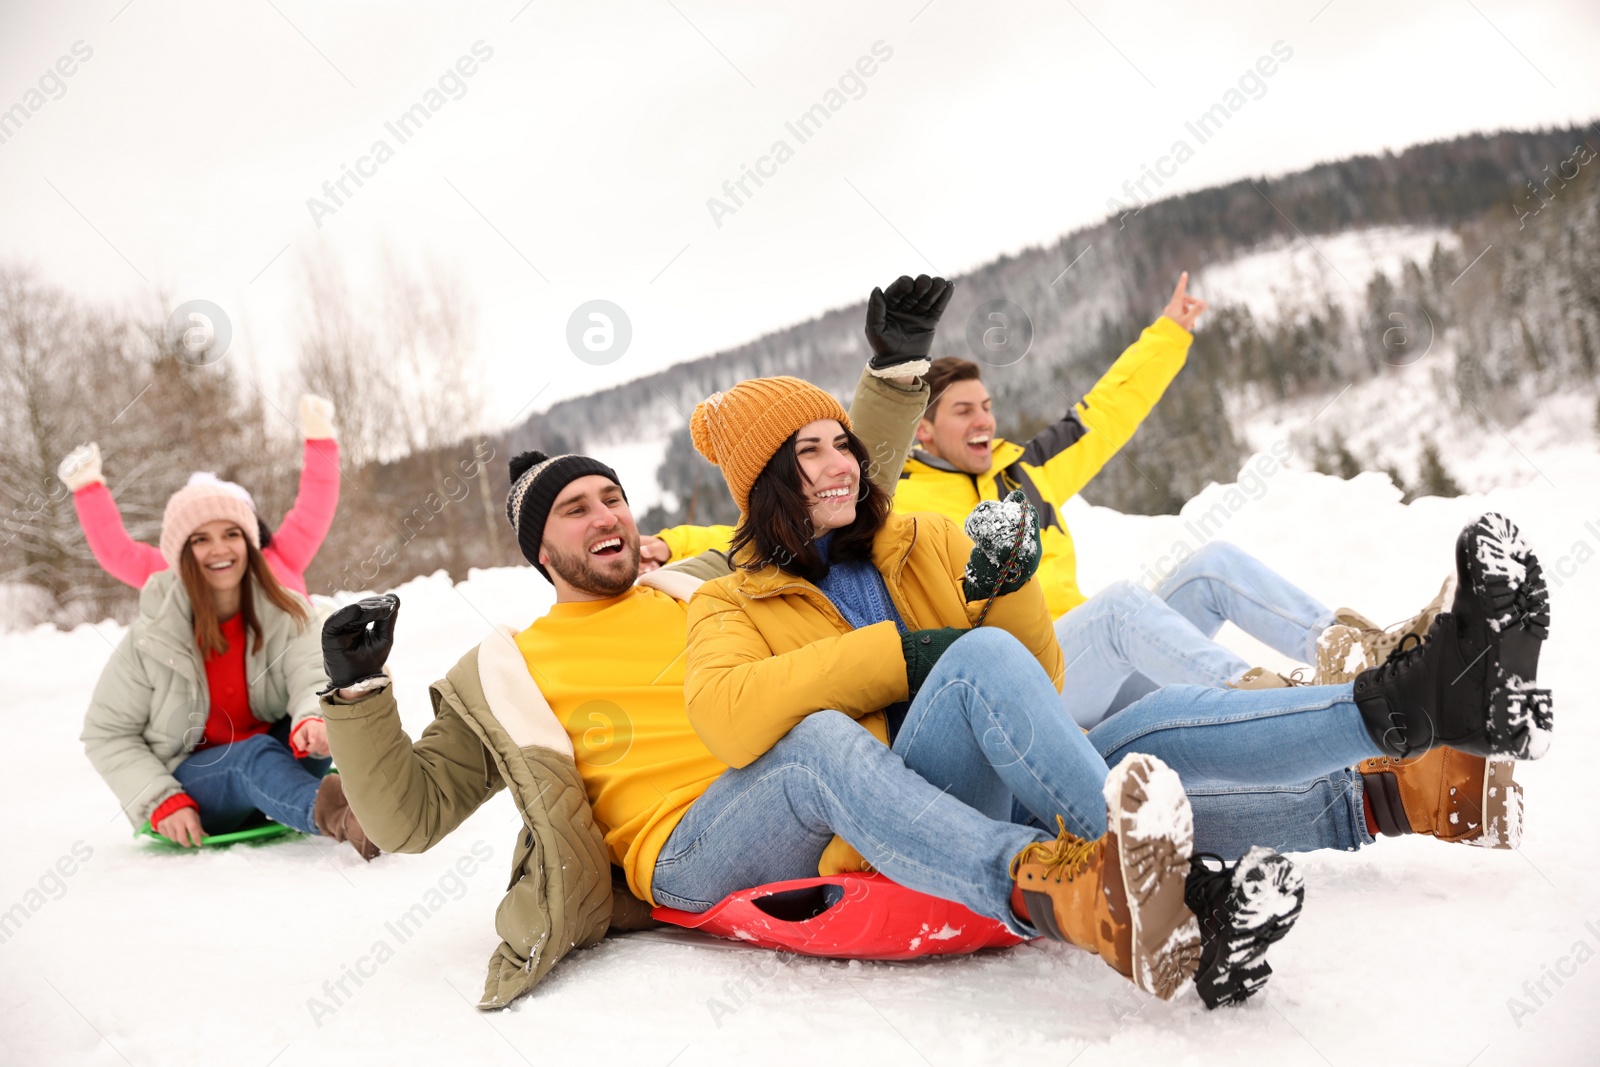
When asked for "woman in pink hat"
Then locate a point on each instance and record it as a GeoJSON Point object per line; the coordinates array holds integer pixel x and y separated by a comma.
{"type": "Point", "coordinates": [288, 550]}
{"type": "Point", "coordinates": [209, 712]}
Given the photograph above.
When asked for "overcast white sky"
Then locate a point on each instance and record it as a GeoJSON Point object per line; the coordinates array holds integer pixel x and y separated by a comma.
{"type": "Point", "coordinates": [178, 161]}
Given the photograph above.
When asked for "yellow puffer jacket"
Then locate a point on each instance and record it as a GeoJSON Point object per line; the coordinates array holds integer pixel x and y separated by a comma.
{"type": "Point", "coordinates": [767, 648]}
{"type": "Point", "coordinates": [1061, 459]}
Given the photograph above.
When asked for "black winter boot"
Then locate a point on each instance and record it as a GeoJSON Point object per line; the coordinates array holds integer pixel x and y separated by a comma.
{"type": "Point", "coordinates": [1243, 909]}
{"type": "Point", "coordinates": [1469, 683]}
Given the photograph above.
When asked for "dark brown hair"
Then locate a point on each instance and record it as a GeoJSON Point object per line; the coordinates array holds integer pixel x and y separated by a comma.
{"type": "Point", "coordinates": [945, 372]}
{"type": "Point", "coordinates": [207, 627]}
{"type": "Point", "coordinates": [777, 527]}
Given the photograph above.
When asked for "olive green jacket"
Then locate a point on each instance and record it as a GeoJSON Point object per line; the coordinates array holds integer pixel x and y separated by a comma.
{"type": "Point", "coordinates": [494, 729]}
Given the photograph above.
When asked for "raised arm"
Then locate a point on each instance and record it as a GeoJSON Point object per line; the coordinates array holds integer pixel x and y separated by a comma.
{"type": "Point", "coordinates": [306, 524]}
{"type": "Point", "coordinates": [1073, 450]}
{"type": "Point", "coordinates": [891, 396]}
{"type": "Point", "coordinates": [884, 415]}
{"type": "Point", "coordinates": [126, 560]}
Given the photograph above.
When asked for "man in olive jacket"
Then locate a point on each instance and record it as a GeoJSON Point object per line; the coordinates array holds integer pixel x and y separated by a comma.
{"type": "Point", "coordinates": [495, 728]}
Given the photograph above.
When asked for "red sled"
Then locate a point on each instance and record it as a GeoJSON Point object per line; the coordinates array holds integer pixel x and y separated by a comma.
{"type": "Point", "coordinates": [846, 916]}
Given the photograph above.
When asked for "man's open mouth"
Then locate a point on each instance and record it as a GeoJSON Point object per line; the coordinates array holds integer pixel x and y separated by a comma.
{"type": "Point", "coordinates": [611, 546]}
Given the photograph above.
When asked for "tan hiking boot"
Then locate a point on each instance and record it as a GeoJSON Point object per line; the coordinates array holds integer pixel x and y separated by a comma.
{"type": "Point", "coordinates": [331, 812]}
{"type": "Point", "coordinates": [1261, 678]}
{"type": "Point", "coordinates": [1446, 794]}
{"type": "Point", "coordinates": [1122, 895]}
{"type": "Point", "coordinates": [1353, 643]}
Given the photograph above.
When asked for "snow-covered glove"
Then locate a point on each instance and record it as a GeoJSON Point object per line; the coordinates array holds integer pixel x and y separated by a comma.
{"type": "Point", "coordinates": [993, 527]}
{"type": "Point", "coordinates": [922, 649]}
{"type": "Point", "coordinates": [316, 418]}
{"type": "Point", "coordinates": [357, 639]}
{"type": "Point", "coordinates": [81, 467]}
{"type": "Point", "coordinates": [900, 324]}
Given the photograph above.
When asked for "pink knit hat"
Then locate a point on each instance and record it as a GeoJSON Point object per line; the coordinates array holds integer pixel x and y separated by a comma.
{"type": "Point", "coordinates": [198, 503]}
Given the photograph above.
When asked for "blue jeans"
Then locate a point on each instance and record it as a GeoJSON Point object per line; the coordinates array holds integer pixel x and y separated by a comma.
{"type": "Point", "coordinates": [1261, 767]}
{"type": "Point", "coordinates": [232, 782]}
{"type": "Point", "coordinates": [1126, 641]}
{"type": "Point", "coordinates": [985, 759]}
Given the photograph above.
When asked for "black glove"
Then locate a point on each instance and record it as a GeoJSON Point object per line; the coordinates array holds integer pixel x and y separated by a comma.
{"type": "Point", "coordinates": [900, 324]}
{"type": "Point", "coordinates": [922, 649]}
{"type": "Point", "coordinates": [356, 640]}
{"type": "Point", "coordinates": [993, 527]}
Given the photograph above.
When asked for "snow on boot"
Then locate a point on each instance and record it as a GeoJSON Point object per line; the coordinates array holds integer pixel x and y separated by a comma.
{"type": "Point", "coordinates": [1243, 908]}
{"type": "Point", "coordinates": [1445, 794]}
{"type": "Point", "coordinates": [331, 812]}
{"type": "Point", "coordinates": [1469, 683]}
{"type": "Point", "coordinates": [1516, 609]}
{"type": "Point", "coordinates": [1121, 895]}
{"type": "Point", "coordinates": [1353, 642]}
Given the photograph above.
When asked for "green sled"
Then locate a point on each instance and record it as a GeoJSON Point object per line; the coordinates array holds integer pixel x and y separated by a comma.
{"type": "Point", "coordinates": [259, 834]}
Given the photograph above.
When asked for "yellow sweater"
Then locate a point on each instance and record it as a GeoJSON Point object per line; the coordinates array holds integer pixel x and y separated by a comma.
{"type": "Point", "coordinates": [613, 672]}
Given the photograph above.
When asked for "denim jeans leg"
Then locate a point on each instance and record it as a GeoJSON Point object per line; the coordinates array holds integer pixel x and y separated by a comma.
{"type": "Point", "coordinates": [256, 774]}
{"type": "Point", "coordinates": [987, 726]}
{"type": "Point", "coordinates": [770, 821]}
{"type": "Point", "coordinates": [1254, 738]}
{"type": "Point", "coordinates": [1223, 583]}
{"type": "Point", "coordinates": [1125, 629]}
{"type": "Point", "coordinates": [1325, 812]}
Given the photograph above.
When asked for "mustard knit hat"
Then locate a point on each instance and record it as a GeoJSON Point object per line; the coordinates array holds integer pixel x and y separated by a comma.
{"type": "Point", "coordinates": [740, 430]}
{"type": "Point", "coordinates": [198, 503]}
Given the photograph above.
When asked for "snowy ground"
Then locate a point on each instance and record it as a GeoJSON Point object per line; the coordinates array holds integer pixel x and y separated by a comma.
{"type": "Point", "coordinates": [234, 956]}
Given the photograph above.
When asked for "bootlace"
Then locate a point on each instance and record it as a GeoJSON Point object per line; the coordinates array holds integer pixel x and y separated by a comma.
{"type": "Point", "coordinates": [1401, 658]}
{"type": "Point", "coordinates": [1066, 856]}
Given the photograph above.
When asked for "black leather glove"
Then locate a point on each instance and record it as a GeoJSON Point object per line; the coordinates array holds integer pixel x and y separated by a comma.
{"type": "Point", "coordinates": [900, 324]}
{"type": "Point", "coordinates": [922, 649]}
{"type": "Point", "coordinates": [356, 640]}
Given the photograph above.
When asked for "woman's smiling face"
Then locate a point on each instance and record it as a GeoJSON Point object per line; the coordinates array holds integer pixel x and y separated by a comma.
{"type": "Point", "coordinates": [830, 474]}
{"type": "Point", "coordinates": [222, 552]}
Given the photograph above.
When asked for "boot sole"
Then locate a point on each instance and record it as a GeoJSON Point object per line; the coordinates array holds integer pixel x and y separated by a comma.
{"type": "Point", "coordinates": [1502, 807]}
{"type": "Point", "coordinates": [1149, 814]}
{"type": "Point", "coordinates": [1268, 892]}
{"type": "Point", "coordinates": [1504, 575]}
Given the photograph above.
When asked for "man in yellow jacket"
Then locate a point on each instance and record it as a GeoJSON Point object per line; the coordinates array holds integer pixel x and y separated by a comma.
{"type": "Point", "coordinates": [1126, 640]}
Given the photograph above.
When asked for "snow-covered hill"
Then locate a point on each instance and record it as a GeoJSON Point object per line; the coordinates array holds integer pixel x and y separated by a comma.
{"type": "Point", "coordinates": [1291, 275]}
{"type": "Point", "coordinates": [1409, 951]}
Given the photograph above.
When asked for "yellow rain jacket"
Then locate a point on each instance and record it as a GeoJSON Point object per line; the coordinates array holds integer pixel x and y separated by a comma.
{"type": "Point", "coordinates": [1061, 459]}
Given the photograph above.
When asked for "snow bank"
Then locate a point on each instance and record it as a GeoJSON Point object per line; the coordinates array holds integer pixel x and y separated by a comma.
{"type": "Point", "coordinates": [301, 954]}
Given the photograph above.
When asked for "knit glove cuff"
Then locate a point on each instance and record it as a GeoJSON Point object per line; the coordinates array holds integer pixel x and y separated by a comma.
{"type": "Point", "coordinates": [993, 527]}
{"type": "Point", "coordinates": [922, 650]}
{"type": "Point", "coordinates": [316, 418]}
{"type": "Point", "coordinates": [81, 467]}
